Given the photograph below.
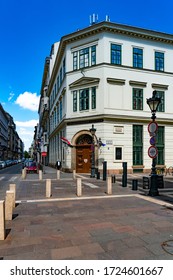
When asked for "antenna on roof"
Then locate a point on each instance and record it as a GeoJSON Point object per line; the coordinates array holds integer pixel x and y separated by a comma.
{"type": "Point", "coordinates": [107, 18]}
{"type": "Point", "coordinates": [93, 19]}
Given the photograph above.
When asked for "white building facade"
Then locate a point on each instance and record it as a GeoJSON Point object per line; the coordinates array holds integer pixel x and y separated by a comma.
{"type": "Point", "coordinates": [102, 75]}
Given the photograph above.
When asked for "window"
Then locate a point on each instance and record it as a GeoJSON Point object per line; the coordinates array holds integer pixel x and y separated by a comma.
{"type": "Point", "coordinates": [84, 99]}
{"type": "Point", "coordinates": [84, 96]}
{"type": "Point", "coordinates": [116, 54]}
{"type": "Point", "coordinates": [60, 110]}
{"type": "Point", "coordinates": [57, 83]}
{"type": "Point", "coordinates": [74, 101]}
{"type": "Point", "coordinates": [57, 113]}
{"type": "Point", "coordinates": [75, 60]}
{"type": "Point", "coordinates": [93, 55]}
{"type": "Point", "coordinates": [160, 145]}
{"type": "Point", "coordinates": [64, 69]}
{"type": "Point", "coordinates": [161, 107]}
{"type": "Point", "coordinates": [84, 58]}
{"type": "Point", "coordinates": [137, 144]}
{"type": "Point", "coordinates": [137, 99]}
{"type": "Point", "coordinates": [60, 76]}
{"type": "Point", "coordinates": [159, 61]}
{"type": "Point", "coordinates": [137, 58]}
{"type": "Point", "coordinates": [93, 98]}
{"type": "Point", "coordinates": [118, 153]}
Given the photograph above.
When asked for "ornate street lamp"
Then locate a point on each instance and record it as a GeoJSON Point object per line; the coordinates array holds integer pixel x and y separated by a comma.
{"type": "Point", "coordinates": [153, 104]}
{"type": "Point", "coordinates": [93, 131]}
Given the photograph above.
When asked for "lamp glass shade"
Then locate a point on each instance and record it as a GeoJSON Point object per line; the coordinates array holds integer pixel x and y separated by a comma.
{"type": "Point", "coordinates": [93, 130]}
{"type": "Point", "coordinates": [153, 103]}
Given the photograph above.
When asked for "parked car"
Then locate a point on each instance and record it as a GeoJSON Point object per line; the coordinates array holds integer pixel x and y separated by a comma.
{"type": "Point", "coordinates": [8, 162]}
{"type": "Point", "coordinates": [2, 164]}
{"type": "Point", "coordinates": [31, 167]}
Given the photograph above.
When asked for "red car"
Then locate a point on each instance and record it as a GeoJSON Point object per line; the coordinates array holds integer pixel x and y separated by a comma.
{"type": "Point", "coordinates": [31, 167]}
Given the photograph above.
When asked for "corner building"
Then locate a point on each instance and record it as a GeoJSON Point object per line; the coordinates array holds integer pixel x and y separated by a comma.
{"type": "Point", "coordinates": [102, 75]}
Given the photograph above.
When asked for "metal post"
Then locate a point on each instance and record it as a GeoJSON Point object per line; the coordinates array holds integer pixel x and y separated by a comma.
{"type": "Point", "coordinates": [104, 170]}
{"type": "Point", "coordinates": [153, 104]}
{"type": "Point", "coordinates": [92, 131]}
{"type": "Point", "coordinates": [124, 177]}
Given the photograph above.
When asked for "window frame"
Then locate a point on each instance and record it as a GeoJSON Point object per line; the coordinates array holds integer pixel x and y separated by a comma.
{"type": "Point", "coordinates": [115, 153]}
{"type": "Point", "coordinates": [116, 54]}
{"type": "Point", "coordinates": [137, 101]}
{"type": "Point", "coordinates": [138, 58]}
{"type": "Point", "coordinates": [159, 61]}
{"type": "Point", "coordinates": [137, 145]}
{"type": "Point", "coordinates": [84, 99]}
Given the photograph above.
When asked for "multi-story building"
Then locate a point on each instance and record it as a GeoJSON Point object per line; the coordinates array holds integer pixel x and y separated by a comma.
{"type": "Point", "coordinates": [3, 133]}
{"type": "Point", "coordinates": [11, 146]}
{"type": "Point", "coordinates": [102, 75]}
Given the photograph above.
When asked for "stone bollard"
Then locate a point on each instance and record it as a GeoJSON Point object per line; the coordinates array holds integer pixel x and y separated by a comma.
{"type": "Point", "coordinates": [58, 174]}
{"type": "Point", "coordinates": [48, 188]}
{"type": "Point", "coordinates": [24, 173]}
{"type": "Point", "coordinates": [109, 185]}
{"type": "Point", "coordinates": [40, 174]}
{"type": "Point", "coordinates": [74, 174]}
{"type": "Point", "coordinates": [13, 189]}
{"type": "Point", "coordinates": [9, 202]}
{"type": "Point", "coordinates": [79, 187]}
{"type": "Point", "coordinates": [2, 220]}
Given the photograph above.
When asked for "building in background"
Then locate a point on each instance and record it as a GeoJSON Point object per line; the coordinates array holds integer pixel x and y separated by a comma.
{"type": "Point", "coordinates": [102, 75]}
{"type": "Point", "coordinates": [3, 134]}
{"type": "Point", "coordinates": [11, 146]}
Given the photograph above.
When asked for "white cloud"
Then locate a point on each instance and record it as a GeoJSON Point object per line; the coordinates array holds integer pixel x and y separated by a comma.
{"type": "Point", "coordinates": [28, 100]}
{"type": "Point", "coordinates": [25, 130]}
{"type": "Point", "coordinates": [30, 123]}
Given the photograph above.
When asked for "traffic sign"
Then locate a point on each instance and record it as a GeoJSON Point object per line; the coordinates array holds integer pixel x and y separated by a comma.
{"type": "Point", "coordinates": [152, 128]}
{"type": "Point", "coordinates": [152, 152]}
{"type": "Point", "coordinates": [153, 140]}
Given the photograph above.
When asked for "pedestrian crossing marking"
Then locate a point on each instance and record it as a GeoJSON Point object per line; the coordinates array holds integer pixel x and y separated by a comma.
{"type": "Point", "coordinates": [12, 179]}
{"type": "Point", "coordinates": [90, 185]}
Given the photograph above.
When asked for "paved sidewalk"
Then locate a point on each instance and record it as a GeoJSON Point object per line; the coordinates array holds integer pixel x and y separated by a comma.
{"type": "Point", "coordinates": [126, 225]}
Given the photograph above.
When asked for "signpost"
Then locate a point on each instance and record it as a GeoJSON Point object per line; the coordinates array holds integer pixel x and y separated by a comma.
{"type": "Point", "coordinates": [152, 152]}
{"type": "Point", "coordinates": [152, 128]}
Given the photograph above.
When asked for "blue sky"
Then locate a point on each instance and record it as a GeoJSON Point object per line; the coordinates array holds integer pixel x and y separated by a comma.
{"type": "Point", "coordinates": [28, 28]}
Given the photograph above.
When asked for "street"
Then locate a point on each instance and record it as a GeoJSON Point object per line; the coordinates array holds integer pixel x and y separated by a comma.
{"type": "Point", "coordinates": [9, 175]}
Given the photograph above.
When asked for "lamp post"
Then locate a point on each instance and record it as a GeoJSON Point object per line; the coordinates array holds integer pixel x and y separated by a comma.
{"type": "Point", "coordinates": [153, 104]}
{"type": "Point", "coordinates": [93, 131]}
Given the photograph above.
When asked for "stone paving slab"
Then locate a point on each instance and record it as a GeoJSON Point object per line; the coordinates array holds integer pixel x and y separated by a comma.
{"type": "Point", "coordinates": [128, 227]}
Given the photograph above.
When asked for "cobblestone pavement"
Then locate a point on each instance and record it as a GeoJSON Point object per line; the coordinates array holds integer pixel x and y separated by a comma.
{"type": "Point", "coordinates": [126, 225]}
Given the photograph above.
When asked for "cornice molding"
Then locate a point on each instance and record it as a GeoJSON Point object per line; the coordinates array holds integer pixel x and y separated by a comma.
{"type": "Point", "coordinates": [116, 81]}
{"type": "Point", "coordinates": [159, 86]}
{"type": "Point", "coordinates": [137, 83]}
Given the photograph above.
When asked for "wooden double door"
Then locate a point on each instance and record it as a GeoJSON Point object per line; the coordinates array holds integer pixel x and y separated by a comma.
{"type": "Point", "coordinates": [83, 158]}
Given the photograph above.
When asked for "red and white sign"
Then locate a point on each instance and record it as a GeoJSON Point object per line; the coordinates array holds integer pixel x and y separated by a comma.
{"type": "Point", "coordinates": [152, 152]}
{"type": "Point", "coordinates": [44, 154]}
{"type": "Point", "coordinates": [152, 128]}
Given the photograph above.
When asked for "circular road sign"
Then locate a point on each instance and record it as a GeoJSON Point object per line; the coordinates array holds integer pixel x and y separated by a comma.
{"type": "Point", "coordinates": [152, 140]}
{"type": "Point", "coordinates": [152, 127]}
{"type": "Point", "coordinates": [152, 152]}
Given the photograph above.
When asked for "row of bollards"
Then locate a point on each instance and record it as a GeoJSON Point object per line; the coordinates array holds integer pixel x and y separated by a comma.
{"type": "Point", "coordinates": [79, 187]}
{"type": "Point", "coordinates": [40, 174]}
{"type": "Point", "coordinates": [6, 209]}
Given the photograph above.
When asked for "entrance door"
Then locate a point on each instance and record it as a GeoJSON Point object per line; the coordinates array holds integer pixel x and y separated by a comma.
{"type": "Point", "coordinates": [83, 159]}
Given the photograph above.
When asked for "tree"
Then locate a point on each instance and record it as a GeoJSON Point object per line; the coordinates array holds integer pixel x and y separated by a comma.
{"type": "Point", "coordinates": [26, 154]}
